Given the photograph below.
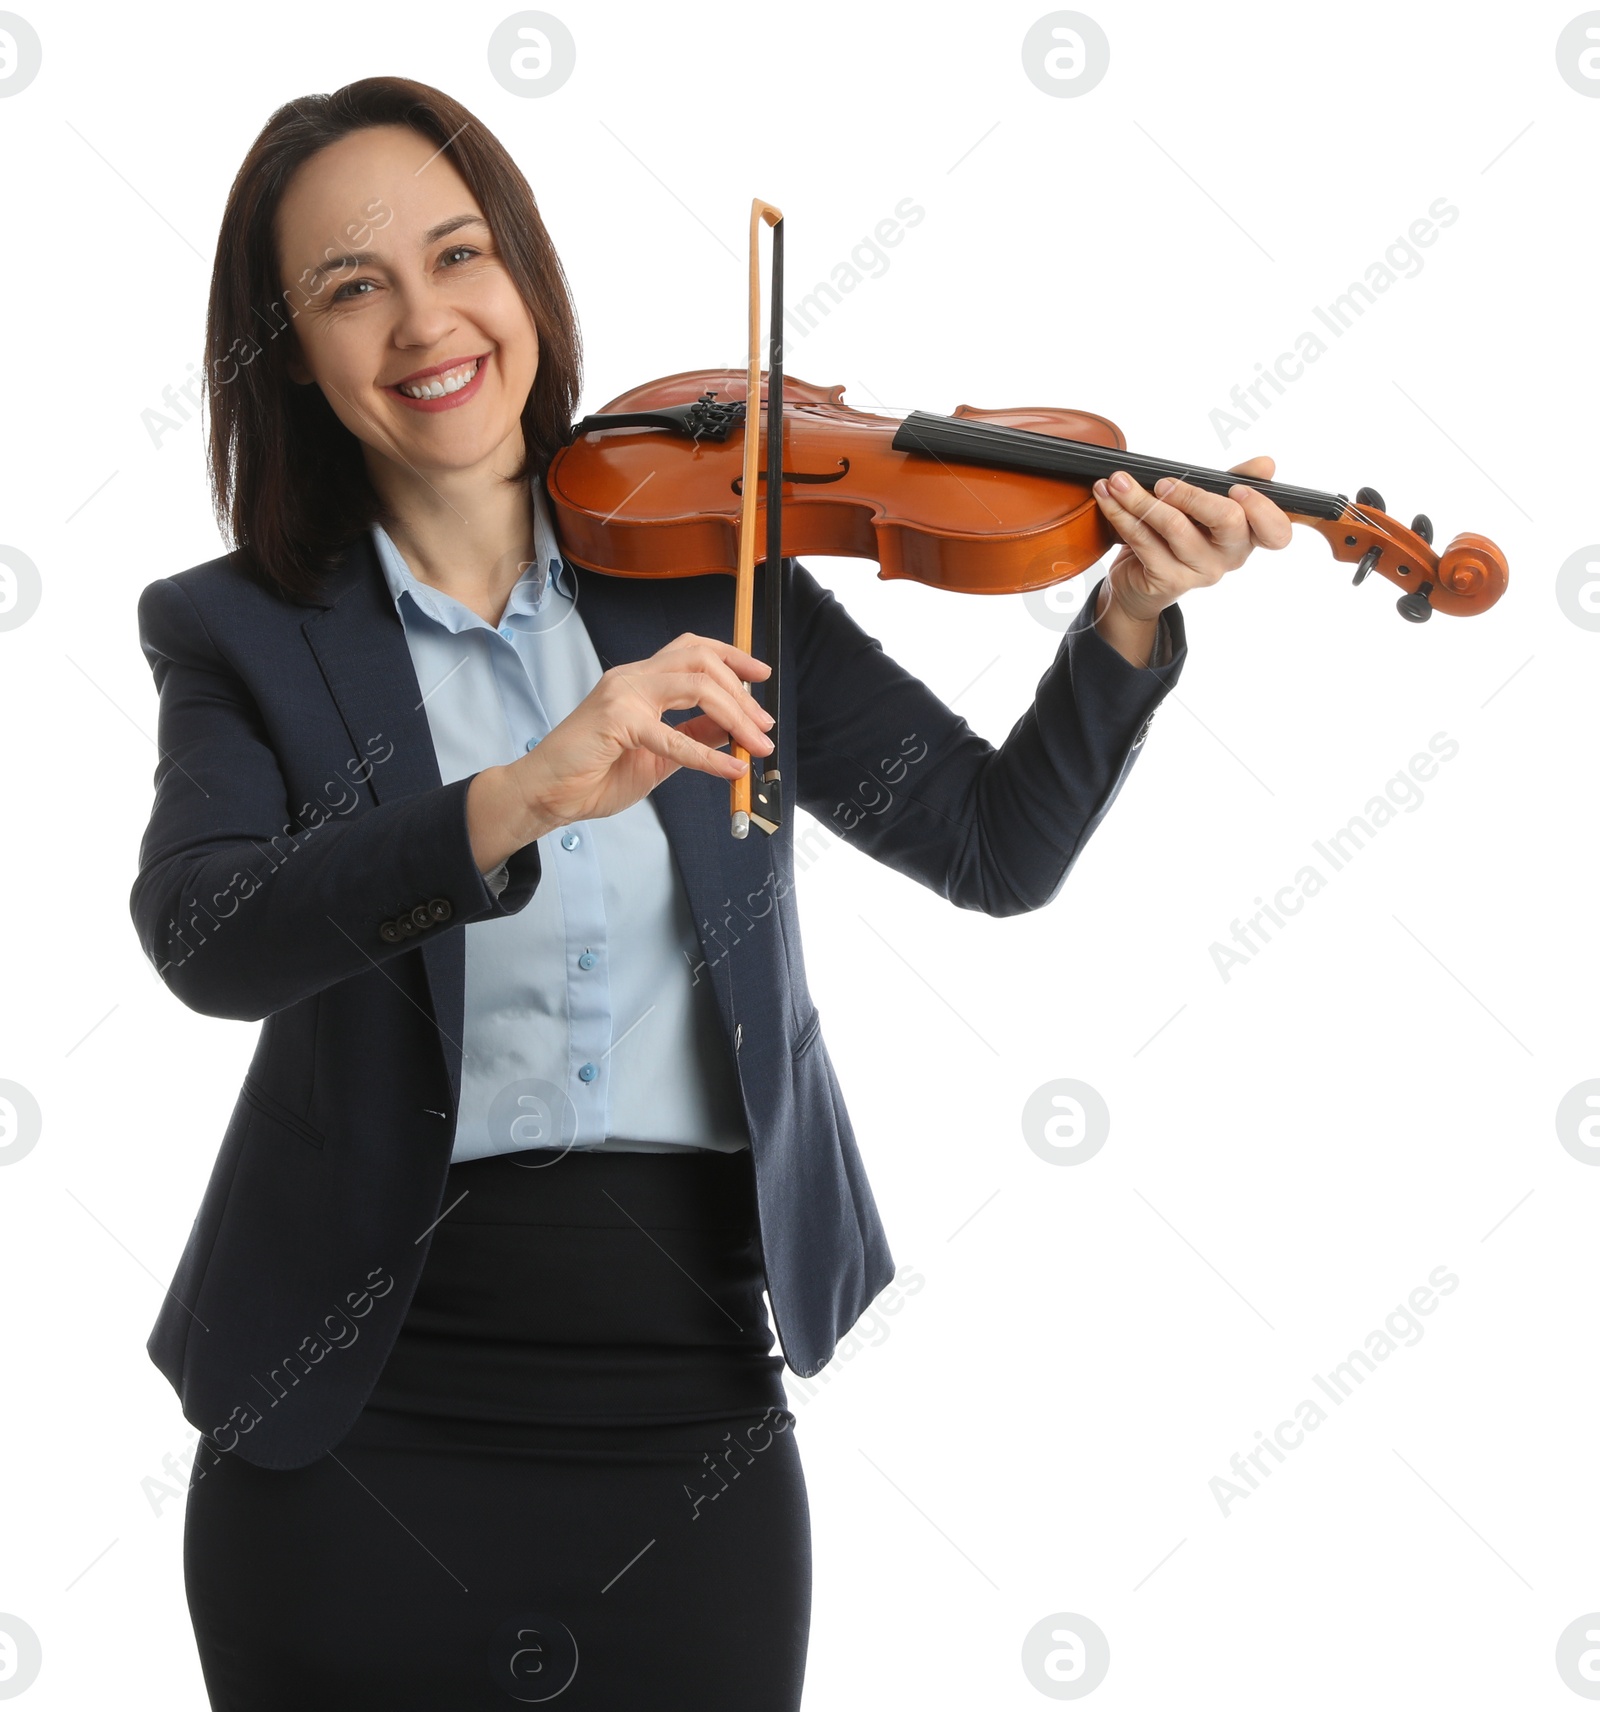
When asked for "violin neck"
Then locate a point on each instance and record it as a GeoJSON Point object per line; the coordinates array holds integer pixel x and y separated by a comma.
{"type": "Point", "coordinates": [970, 441]}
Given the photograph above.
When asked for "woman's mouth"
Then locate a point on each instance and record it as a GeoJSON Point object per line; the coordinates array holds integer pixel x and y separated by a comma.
{"type": "Point", "coordinates": [443, 389]}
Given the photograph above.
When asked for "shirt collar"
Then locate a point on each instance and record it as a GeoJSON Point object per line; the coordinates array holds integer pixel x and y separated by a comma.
{"type": "Point", "coordinates": [549, 571]}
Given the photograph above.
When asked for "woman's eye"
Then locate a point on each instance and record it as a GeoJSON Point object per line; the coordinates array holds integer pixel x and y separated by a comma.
{"type": "Point", "coordinates": [350, 289]}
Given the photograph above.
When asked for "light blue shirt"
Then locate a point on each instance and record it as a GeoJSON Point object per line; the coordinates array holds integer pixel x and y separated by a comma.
{"type": "Point", "coordinates": [584, 1026]}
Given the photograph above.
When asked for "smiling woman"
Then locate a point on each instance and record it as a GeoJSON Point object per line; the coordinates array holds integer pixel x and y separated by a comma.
{"type": "Point", "coordinates": [415, 210]}
{"type": "Point", "coordinates": [504, 1060]}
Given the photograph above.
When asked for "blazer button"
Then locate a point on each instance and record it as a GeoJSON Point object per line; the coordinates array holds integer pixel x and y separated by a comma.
{"type": "Point", "coordinates": [406, 926]}
{"type": "Point", "coordinates": [738, 1035]}
{"type": "Point", "coordinates": [389, 933]}
{"type": "Point", "coordinates": [440, 909]}
{"type": "Point", "coordinates": [421, 917]}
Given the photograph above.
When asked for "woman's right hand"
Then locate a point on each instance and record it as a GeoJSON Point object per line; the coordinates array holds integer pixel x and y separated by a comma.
{"type": "Point", "coordinates": [614, 747]}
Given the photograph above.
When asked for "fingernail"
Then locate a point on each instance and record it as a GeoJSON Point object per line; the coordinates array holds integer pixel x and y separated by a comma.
{"type": "Point", "coordinates": [1164, 486]}
{"type": "Point", "coordinates": [1121, 483]}
{"type": "Point", "coordinates": [1101, 489]}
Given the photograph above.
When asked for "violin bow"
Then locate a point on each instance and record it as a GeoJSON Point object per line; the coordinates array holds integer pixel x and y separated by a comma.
{"type": "Point", "coordinates": [752, 800]}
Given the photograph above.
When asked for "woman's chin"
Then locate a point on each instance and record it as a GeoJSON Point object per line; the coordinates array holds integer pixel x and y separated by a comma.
{"type": "Point", "coordinates": [443, 453]}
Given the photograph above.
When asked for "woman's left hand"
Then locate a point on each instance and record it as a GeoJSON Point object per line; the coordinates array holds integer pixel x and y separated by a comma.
{"type": "Point", "coordinates": [1178, 538]}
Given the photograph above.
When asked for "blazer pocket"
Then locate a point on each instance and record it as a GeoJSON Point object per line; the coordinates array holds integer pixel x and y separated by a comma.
{"type": "Point", "coordinates": [806, 1038]}
{"type": "Point", "coordinates": [279, 1113]}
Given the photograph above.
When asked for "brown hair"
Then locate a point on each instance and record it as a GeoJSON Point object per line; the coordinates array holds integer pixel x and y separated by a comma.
{"type": "Point", "coordinates": [288, 480]}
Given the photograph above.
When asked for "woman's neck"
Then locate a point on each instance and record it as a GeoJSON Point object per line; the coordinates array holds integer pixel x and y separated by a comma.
{"type": "Point", "coordinates": [468, 533]}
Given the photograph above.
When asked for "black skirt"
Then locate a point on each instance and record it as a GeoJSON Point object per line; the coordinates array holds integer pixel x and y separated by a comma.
{"type": "Point", "coordinates": [576, 1481]}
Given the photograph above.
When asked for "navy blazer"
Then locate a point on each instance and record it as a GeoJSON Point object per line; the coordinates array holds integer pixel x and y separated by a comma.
{"type": "Point", "coordinates": [304, 866]}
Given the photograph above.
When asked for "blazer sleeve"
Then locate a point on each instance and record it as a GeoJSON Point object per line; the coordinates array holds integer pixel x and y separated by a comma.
{"type": "Point", "coordinates": [242, 909]}
{"type": "Point", "coordinates": [898, 774]}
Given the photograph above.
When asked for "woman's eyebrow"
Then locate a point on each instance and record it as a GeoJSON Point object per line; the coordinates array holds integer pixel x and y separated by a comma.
{"type": "Point", "coordinates": [361, 258]}
{"type": "Point", "coordinates": [453, 224]}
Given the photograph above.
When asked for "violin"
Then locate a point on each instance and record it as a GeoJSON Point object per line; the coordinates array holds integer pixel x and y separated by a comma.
{"type": "Point", "coordinates": [666, 481]}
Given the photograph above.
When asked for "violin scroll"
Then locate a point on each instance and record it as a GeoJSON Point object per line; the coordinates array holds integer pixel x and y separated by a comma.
{"type": "Point", "coordinates": [1467, 578]}
{"type": "Point", "coordinates": [1474, 570]}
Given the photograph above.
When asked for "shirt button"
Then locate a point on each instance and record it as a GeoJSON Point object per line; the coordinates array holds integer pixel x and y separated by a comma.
{"type": "Point", "coordinates": [587, 1073]}
{"type": "Point", "coordinates": [587, 960]}
{"type": "Point", "coordinates": [505, 630]}
{"type": "Point", "coordinates": [569, 841]}
{"type": "Point", "coordinates": [530, 745]}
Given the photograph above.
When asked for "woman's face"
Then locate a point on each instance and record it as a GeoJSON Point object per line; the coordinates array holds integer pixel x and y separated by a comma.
{"type": "Point", "coordinates": [396, 288]}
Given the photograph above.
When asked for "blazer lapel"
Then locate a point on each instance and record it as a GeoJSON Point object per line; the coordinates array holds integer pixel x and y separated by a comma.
{"type": "Point", "coordinates": [360, 644]}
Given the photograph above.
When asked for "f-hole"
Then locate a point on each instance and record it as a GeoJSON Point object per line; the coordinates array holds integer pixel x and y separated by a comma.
{"type": "Point", "coordinates": [800, 476]}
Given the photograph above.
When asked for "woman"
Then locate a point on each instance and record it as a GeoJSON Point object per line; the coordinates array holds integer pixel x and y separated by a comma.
{"type": "Point", "coordinates": [471, 1318]}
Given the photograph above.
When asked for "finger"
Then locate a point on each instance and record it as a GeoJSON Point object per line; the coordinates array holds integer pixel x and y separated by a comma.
{"type": "Point", "coordinates": [1147, 524]}
{"type": "Point", "coordinates": [674, 745]}
{"type": "Point", "coordinates": [736, 709]}
{"type": "Point", "coordinates": [703, 657]}
{"type": "Point", "coordinates": [1222, 515]}
{"type": "Point", "coordinates": [1140, 540]}
{"type": "Point", "coordinates": [1269, 524]}
{"type": "Point", "coordinates": [645, 694]}
{"type": "Point", "coordinates": [745, 666]}
{"type": "Point", "coordinates": [696, 653]}
{"type": "Point", "coordinates": [737, 713]}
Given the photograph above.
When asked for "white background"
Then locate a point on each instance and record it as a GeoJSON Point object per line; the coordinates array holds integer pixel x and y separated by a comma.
{"type": "Point", "coordinates": [1292, 1151]}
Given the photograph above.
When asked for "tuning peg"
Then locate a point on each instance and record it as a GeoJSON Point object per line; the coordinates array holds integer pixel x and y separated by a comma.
{"type": "Point", "coordinates": [1415, 605]}
{"type": "Point", "coordinates": [1422, 524]}
{"type": "Point", "coordinates": [1370, 496]}
{"type": "Point", "coordinates": [1364, 570]}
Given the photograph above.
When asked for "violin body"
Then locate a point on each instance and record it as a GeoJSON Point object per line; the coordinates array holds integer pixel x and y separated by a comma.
{"type": "Point", "coordinates": [635, 502]}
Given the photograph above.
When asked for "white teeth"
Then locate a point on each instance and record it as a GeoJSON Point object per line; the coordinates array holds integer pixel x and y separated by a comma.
{"type": "Point", "coordinates": [441, 386]}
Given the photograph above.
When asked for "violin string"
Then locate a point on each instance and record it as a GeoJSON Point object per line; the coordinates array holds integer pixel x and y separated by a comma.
{"type": "Point", "coordinates": [1053, 454]}
{"type": "Point", "coordinates": [1331, 506]}
{"type": "Point", "coordinates": [959, 436]}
